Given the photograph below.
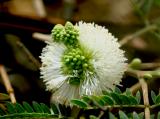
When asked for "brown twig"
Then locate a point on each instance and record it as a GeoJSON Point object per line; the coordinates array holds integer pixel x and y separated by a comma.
{"type": "Point", "coordinates": [138, 73]}
{"type": "Point", "coordinates": [145, 97]}
{"type": "Point", "coordinates": [29, 54]}
{"type": "Point", "coordinates": [152, 65]}
{"type": "Point", "coordinates": [119, 107]}
{"type": "Point", "coordinates": [7, 84]}
{"type": "Point", "coordinates": [126, 39]}
{"type": "Point", "coordinates": [41, 36]}
{"type": "Point", "coordinates": [40, 8]}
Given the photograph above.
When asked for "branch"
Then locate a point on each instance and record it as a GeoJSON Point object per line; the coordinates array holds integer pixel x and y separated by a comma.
{"type": "Point", "coordinates": [152, 65]}
{"type": "Point", "coordinates": [7, 84]}
{"type": "Point", "coordinates": [137, 73]}
{"type": "Point", "coordinates": [145, 97]}
{"type": "Point", "coordinates": [119, 106]}
{"type": "Point", "coordinates": [29, 54]}
{"type": "Point", "coordinates": [41, 36]}
{"type": "Point", "coordinates": [128, 38]}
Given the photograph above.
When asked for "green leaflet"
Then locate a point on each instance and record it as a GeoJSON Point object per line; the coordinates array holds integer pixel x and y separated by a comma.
{"type": "Point", "coordinates": [37, 107]}
{"type": "Point", "coordinates": [138, 97]}
{"type": "Point", "coordinates": [122, 115]}
{"type": "Point", "coordinates": [157, 99]}
{"type": "Point", "coordinates": [27, 107]}
{"type": "Point", "coordinates": [79, 103]}
{"type": "Point", "coordinates": [107, 100]}
{"type": "Point", "coordinates": [153, 96]}
{"type": "Point", "coordinates": [135, 116]}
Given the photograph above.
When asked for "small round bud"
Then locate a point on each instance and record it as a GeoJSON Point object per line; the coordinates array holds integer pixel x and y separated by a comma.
{"type": "Point", "coordinates": [85, 65]}
{"type": "Point", "coordinates": [82, 57]}
{"type": "Point", "coordinates": [135, 64]}
{"type": "Point", "coordinates": [74, 59]}
{"type": "Point", "coordinates": [69, 25]}
{"type": "Point", "coordinates": [147, 76]}
{"type": "Point", "coordinates": [67, 60]}
{"type": "Point", "coordinates": [78, 56]}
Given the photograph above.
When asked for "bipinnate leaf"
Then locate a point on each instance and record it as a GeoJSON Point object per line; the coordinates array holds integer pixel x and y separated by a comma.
{"type": "Point", "coordinates": [26, 111]}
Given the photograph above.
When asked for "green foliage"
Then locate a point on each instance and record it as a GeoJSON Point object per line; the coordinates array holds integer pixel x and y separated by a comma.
{"type": "Point", "coordinates": [108, 99]}
{"type": "Point", "coordinates": [135, 116]}
{"type": "Point", "coordinates": [118, 100]}
{"type": "Point", "coordinates": [122, 115]}
{"type": "Point", "coordinates": [27, 111]}
{"type": "Point", "coordinates": [153, 96]}
{"type": "Point", "coordinates": [104, 104]}
{"type": "Point", "coordinates": [79, 103]}
{"type": "Point", "coordinates": [138, 97]}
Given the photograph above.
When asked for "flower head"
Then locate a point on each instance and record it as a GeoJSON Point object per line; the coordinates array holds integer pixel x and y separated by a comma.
{"type": "Point", "coordinates": [84, 62]}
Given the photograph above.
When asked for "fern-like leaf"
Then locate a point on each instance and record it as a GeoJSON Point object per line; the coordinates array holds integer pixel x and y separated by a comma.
{"type": "Point", "coordinates": [27, 111]}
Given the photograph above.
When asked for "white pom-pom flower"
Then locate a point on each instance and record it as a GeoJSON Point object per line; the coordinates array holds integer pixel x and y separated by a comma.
{"type": "Point", "coordinates": [84, 59]}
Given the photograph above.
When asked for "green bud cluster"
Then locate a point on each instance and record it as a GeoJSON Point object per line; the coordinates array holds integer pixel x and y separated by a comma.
{"type": "Point", "coordinates": [58, 33]}
{"type": "Point", "coordinates": [67, 34]}
{"type": "Point", "coordinates": [74, 60]}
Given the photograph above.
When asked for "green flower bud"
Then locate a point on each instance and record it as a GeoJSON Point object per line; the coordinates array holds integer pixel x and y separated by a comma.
{"type": "Point", "coordinates": [74, 60]}
{"type": "Point", "coordinates": [135, 64]}
{"type": "Point", "coordinates": [147, 76]}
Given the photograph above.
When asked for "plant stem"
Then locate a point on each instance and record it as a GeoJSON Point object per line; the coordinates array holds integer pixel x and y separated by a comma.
{"type": "Point", "coordinates": [128, 38]}
{"type": "Point", "coordinates": [137, 73]}
{"type": "Point", "coordinates": [29, 54]}
{"type": "Point", "coordinates": [7, 84]}
{"type": "Point", "coordinates": [75, 112]}
{"type": "Point", "coordinates": [145, 97]}
{"type": "Point", "coordinates": [151, 65]}
{"type": "Point", "coordinates": [42, 37]}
